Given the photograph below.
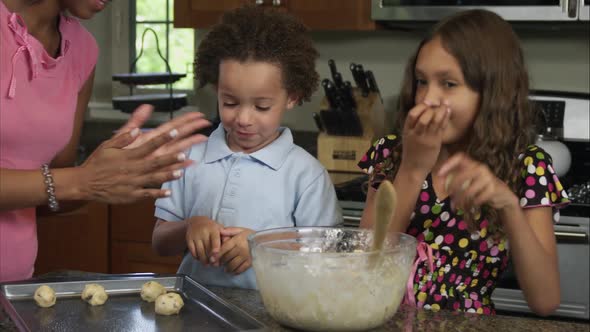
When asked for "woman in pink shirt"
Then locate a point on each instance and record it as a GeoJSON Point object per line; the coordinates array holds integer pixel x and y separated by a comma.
{"type": "Point", "coordinates": [47, 62]}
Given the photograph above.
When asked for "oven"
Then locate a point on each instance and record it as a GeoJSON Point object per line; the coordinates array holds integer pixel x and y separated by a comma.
{"type": "Point", "coordinates": [568, 116]}
{"type": "Point", "coordinates": [513, 10]}
{"type": "Point", "coordinates": [584, 10]}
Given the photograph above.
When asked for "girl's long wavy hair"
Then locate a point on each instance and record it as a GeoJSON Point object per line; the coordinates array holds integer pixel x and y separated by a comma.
{"type": "Point", "coordinates": [491, 59]}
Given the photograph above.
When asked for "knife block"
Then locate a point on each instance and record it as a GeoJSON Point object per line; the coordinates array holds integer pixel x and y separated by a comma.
{"type": "Point", "coordinates": [342, 153]}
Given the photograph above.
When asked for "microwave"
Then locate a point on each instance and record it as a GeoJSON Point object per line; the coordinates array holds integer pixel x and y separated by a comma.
{"type": "Point", "coordinates": [510, 10]}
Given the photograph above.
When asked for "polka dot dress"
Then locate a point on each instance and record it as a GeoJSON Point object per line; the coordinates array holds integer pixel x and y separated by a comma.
{"type": "Point", "coordinates": [467, 265]}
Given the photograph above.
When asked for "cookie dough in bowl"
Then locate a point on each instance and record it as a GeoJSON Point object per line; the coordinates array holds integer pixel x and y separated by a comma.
{"type": "Point", "coordinates": [341, 283]}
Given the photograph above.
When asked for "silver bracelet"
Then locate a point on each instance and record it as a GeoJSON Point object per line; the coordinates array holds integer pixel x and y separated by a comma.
{"type": "Point", "coordinates": [52, 201]}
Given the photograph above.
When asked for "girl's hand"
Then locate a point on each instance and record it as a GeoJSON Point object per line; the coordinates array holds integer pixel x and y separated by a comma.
{"type": "Point", "coordinates": [471, 184]}
{"type": "Point", "coordinates": [422, 136]}
{"type": "Point", "coordinates": [203, 238]}
{"type": "Point", "coordinates": [235, 252]}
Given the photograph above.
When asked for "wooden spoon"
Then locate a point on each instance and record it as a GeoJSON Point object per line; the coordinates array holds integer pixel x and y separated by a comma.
{"type": "Point", "coordinates": [385, 203]}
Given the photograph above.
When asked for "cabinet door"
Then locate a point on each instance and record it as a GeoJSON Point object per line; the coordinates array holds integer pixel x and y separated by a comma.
{"type": "Point", "coordinates": [133, 222]}
{"type": "Point", "coordinates": [316, 14]}
{"type": "Point", "coordinates": [131, 238]}
{"type": "Point", "coordinates": [202, 13]}
{"type": "Point", "coordinates": [76, 240]}
{"type": "Point", "coordinates": [138, 257]}
{"type": "Point", "coordinates": [332, 14]}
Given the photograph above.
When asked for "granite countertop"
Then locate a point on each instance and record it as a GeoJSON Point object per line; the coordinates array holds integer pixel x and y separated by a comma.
{"type": "Point", "coordinates": [411, 319]}
{"type": "Point", "coordinates": [406, 319]}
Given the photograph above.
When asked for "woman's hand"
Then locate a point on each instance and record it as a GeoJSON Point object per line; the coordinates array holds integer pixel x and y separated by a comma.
{"type": "Point", "coordinates": [235, 252]}
{"type": "Point", "coordinates": [471, 184]}
{"type": "Point", "coordinates": [422, 136]}
{"type": "Point", "coordinates": [203, 238]}
{"type": "Point", "coordinates": [131, 166]}
{"type": "Point", "coordinates": [187, 124]}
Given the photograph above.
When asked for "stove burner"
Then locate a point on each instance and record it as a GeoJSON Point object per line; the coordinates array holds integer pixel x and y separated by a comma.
{"type": "Point", "coordinates": [580, 193]}
{"type": "Point", "coordinates": [353, 190]}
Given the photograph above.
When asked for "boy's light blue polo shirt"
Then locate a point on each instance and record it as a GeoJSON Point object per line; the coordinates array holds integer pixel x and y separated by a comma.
{"type": "Point", "coordinates": [280, 185]}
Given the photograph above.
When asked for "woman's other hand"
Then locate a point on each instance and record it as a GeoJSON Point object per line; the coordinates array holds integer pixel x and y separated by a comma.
{"type": "Point", "coordinates": [187, 123]}
{"type": "Point", "coordinates": [130, 166]}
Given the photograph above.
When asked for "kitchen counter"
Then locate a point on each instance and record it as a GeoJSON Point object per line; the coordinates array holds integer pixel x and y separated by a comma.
{"type": "Point", "coordinates": [406, 319]}
{"type": "Point", "coordinates": [411, 319]}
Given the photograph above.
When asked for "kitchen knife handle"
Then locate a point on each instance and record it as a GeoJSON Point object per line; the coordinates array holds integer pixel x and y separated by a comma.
{"type": "Point", "coordinates": [330, 92]}
{"type": "Point", "coordinates": [355, 75]}
{"type": "Point", "coordinates": [361, 80]}
{"type": "Point", "coordinates": [349, 94]}
{"type": "Point", "coordinates": [318, 121]}
{"type": "Point", "coordinates": [332, 66]}
{"type": "Point", "coordinates": [338, 82]}
{"type": "Point", "coordinates": [372, 82]}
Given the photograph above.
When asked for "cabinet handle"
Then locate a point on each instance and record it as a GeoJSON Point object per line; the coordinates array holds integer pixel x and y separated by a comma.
{"type": "Point", "coordinates": [570, 7]}
{"type": "Point", "coordinates": [351, 221]}
{"type": "Point", "coordinates": [571, 237]}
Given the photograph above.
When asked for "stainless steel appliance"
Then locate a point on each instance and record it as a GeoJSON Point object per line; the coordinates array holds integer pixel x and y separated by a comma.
{"type": "Point", "coordinates": [584, 11]}
{"type": "Point", "coordinates": [568, 118]}
{"type": "Point", "coordinates": [513, 10]}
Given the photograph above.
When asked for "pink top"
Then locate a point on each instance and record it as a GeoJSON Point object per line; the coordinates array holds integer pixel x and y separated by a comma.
{"type": "Point", "coordinates": [38, 96]}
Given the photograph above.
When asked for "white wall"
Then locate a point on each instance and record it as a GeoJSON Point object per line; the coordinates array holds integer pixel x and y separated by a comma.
{"type": "Point", "coordinates": [557, 60]}
{"type": "Point", "coordinates": [100, 26]}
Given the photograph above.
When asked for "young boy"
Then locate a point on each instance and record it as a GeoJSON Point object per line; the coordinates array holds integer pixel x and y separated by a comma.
{"type": "Point", "coordinates": [249, 175]}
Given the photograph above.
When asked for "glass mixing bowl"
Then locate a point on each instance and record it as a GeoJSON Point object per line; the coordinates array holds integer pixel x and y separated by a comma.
{"type": "Point", "coordinates": [324, 278]}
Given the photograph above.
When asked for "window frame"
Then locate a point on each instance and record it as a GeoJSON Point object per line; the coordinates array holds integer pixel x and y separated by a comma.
{"type": "Point", "coordinates": [133, 22]}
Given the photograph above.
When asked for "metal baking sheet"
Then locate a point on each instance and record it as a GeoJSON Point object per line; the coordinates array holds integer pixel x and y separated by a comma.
{"type": "Point", "coordinates": [124, 310]}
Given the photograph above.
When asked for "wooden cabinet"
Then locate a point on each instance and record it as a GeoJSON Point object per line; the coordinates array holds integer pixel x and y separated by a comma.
{"type": "Point", "coordinates": [131, 238]}
{"type": "Point", "coordinates": [77, 240]}
{"type": "Point", "coordinates": [316, 14]}
{"type": "Point", "coordinates": [101, 238]}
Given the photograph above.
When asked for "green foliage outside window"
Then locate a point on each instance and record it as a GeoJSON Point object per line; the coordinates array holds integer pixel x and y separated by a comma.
{"type": "Point", "coordinates": [179, 50]}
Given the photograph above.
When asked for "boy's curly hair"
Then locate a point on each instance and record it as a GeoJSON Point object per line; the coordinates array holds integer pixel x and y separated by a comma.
{"type": "Point", "coordinates": [261, 34]}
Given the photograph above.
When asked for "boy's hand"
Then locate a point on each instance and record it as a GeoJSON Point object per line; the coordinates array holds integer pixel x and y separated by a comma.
{"type": "Point", "coordinates": [234, 252]}
{"type": "Point", "coordinates": [203, 238]}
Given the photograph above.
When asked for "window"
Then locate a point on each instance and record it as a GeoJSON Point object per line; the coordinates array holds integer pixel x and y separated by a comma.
{"type": "Point", "coordinates": [176, 45]}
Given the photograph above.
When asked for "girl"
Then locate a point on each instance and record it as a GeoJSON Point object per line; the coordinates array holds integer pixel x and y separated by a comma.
{"type": "Point", "coordinates": [473, 190]}
{"type": "Point", "coordinates": [250, 176]}
{"type": "Point", "coordinates": [47, 62]}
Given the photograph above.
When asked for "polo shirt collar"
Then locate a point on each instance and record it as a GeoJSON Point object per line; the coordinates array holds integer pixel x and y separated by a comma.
{"type": "Point", "coordinates": [272, 155]}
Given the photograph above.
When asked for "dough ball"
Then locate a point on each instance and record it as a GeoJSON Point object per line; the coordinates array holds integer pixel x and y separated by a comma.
{"type": "Point", "coordinates": [151, 290]}
{"type": "Point", "coordinates": [94, 294]}
{"type": "Point", "coordinates": [45, 296]}
{"type": "Point", "coordinates": [169, 304]}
